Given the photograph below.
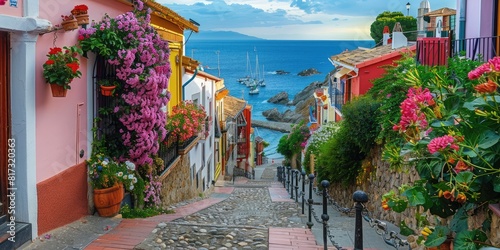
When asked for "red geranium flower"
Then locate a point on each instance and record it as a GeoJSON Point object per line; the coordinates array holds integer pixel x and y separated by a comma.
{"type": "Point", "coordinates": [74, 66]}
{"type": "Point", "coordinates": [55, 50]}
{"type": "Point", "coordinates": [49, 62]}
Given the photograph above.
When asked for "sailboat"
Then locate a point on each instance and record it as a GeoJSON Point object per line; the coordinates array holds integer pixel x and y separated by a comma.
{"type": "Point", "coordinates": [262, 82]}
{"type": "Point", "coordinates": [254, 90]}
{"type": "Point", "coordinates": [248, 77]}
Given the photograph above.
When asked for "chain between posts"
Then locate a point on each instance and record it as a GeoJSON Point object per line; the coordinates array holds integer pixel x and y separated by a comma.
{"type": "Point", "coordinates": [391, 238]}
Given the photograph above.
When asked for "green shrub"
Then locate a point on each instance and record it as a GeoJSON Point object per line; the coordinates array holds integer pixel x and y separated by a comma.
{"type": "Point", "coordinates": [128, 212]}
{"type": "Point", "coordinates": [339, 160]}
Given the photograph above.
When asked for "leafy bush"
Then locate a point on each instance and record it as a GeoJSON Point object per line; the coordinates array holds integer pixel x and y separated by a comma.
{"type": "Point", "coordinates": [360, 119]}
{"type": "Point", "coordinates": [318, 138]}
{"type": "Point", "coordinates": [339, 160]}
{"type": "Point", "coordinates": [293, 142]}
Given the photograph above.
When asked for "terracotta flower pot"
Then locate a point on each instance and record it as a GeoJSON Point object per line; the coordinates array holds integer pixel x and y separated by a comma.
{"type": "Point", "coordinates": [58, 90]}
{"type": "Point", "coordinates": [107, 201]}
{"type": "Point", "coordinates": [82, 19]}
{"type": "Point", "coordinates": [107, 90]}
{"type": "Point", "coordinates": [69, 24]}
{"type": "Point", "coordinates": [447, 245]}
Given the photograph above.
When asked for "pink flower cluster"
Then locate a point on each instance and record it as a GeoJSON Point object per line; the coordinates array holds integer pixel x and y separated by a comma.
{"type": "Point", "coordinates": [186, 120]}
{"type": "Point", "coordinates": [152, 191]}
{"type": "Point", "coordinates": [492, 65]}
{"type": "Point", "coordinates": [145, 69]}
{"type": "Point", "coordinates": [411, 114]}
{"type": "Point", "coordinates": [441, 143]}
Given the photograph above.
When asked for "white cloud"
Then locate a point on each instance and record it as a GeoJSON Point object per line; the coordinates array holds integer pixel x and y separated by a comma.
{"type": "Point", "coordinates": [287, 19]}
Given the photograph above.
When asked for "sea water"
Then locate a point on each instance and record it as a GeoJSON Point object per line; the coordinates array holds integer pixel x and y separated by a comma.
{"type": "Point", "coordinates": [228, 60]}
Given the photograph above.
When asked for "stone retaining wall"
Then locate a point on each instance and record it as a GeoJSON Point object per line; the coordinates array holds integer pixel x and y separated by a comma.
{"type": "Point", "coordinates": [382, 181]}
{"type": "Point", "coordinates": [178, 186]}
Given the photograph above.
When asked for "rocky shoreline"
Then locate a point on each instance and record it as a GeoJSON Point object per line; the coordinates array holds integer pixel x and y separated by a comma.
{"type": "Point", "coordinates": [299, 106]}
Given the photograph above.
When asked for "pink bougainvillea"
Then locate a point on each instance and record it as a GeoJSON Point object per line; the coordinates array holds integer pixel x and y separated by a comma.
{"type": "Point", "coordinates": [144, 68]}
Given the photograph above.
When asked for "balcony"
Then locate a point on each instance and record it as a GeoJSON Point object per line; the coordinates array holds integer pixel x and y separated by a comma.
{"type": "Point", "coordinates": [436, 51]}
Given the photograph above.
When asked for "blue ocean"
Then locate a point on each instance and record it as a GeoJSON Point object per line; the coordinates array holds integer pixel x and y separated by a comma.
{"type": "Point", "coordinates": [228, 60]}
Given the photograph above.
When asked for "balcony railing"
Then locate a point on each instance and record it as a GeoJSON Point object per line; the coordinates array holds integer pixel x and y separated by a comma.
{"type": "Point", "coordinates": [168, 152]}
{"type": "Point", "coordinates": [436, 51]}
{"type": "Point", "coordinates": [483, 48]}
{"type": "Point", "coordinates": [338, 98]}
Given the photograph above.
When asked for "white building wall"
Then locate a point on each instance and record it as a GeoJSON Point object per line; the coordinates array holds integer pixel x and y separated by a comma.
{"type": "Point", "coordinates": [201, 156]}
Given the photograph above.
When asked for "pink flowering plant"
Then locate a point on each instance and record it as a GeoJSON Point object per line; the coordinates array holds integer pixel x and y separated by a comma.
{"type": "Point", "coordinates": [186, 120]}
{"type": "Point", "coordinates": [141, 58]}
{"type": "Point", "coordinates": [450, 128]}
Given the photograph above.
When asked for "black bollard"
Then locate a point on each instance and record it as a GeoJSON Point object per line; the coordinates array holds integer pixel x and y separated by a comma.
{"type": "Point", "coordinates": [279, 174]}
{"type": "Point", "coordinates": [297, 172]}
{"type": "Point", "coordinates": [288, 178]}
{"type": "Point", "coordinates": [292, 187]}
{"type": "Point", "coordinates": [359, 197]}
{"type": "Point", "coordinates": [325, 216]}
{"type": "Point", "coordinates": [310, 200]}
{"type": "Point", "coordinates": [303, 189]}
{"type": "Point", "coordinates": [284, 176]}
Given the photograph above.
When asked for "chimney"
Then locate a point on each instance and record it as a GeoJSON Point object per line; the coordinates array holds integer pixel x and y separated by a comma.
{"type": "Point", "coordinates": [398, 38]}
{"type": "Point", "coordinates": [386, 37]}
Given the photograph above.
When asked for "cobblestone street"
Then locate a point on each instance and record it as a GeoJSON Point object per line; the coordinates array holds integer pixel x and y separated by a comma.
{"type": "Point", "coordinates": [241, 221]}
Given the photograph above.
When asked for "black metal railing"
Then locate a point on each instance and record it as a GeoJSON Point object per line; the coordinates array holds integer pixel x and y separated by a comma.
{"type": "Point", "coordinates": [168, 152]}
{"type": "Point", "coordinates": [291, 180]}
{"type": "Point", "coordinates": [184, 144]}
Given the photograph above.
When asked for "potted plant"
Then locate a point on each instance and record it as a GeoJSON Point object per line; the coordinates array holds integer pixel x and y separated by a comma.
{"type": "Point", "coordinates": [109, 178]}
{"type": "Point", "coordinates": [69, 22]}
{"type": "Point", "coordinates": [450, 130]}
{"type": "Point", "coordinates": [61, 68]}
{"type": "Point", "coordinates": [104, 38]}
{"type": "Point", "coordinates": [107, 86]}
{"type": "Point", "coordinates": [81, 14]}
{"type": "Point", "coordinates": [186, 120]}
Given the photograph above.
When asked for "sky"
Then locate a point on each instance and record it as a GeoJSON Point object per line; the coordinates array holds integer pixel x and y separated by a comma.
{"type": "Point", "coordinates": [294, 19]}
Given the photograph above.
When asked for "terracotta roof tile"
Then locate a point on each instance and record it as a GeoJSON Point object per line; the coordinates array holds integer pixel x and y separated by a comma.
{"type": "Point", "coordinates": [442, 12]}
{"type": "Point", "coordinates": [233, 106]}
{"type": "Point", "coordinates": [360, 55]}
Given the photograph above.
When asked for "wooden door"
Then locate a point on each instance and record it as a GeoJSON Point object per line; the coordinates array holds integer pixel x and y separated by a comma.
{"type": "Point", "coordinates": [4, 120]}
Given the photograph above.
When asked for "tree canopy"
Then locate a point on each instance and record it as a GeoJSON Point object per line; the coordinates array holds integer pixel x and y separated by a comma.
{"type": "Point", "coordinates": [387, 18]}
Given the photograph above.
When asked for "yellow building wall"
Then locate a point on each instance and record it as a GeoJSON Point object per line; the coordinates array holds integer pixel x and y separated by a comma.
{"type": "Point", "coordinates": [175, 82]}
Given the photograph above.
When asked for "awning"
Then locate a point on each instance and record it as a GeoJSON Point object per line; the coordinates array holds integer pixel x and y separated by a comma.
{"type": "Point", "coordinates": [343, 71]}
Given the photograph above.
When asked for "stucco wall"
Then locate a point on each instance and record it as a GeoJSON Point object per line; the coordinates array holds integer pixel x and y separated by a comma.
{"type": "Point", "coordinates": [12, 10]}
{"type": "Point", "coordinates": [61, 122]}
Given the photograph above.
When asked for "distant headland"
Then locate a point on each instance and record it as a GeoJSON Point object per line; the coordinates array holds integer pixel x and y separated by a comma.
{"type": "Point", "coordinates": [220, 35]}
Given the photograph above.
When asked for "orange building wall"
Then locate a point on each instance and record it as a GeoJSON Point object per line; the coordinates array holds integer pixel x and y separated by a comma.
{"type": "Point", "coordinates": [62, 199]}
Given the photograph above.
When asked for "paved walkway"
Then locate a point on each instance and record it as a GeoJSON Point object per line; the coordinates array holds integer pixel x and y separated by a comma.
{"type": "Point", "coordinates": [249, 214]}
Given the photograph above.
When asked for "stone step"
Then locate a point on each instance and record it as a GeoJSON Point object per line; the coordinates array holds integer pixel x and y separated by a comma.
{"type": "Point", "coordinates": [13, 239]}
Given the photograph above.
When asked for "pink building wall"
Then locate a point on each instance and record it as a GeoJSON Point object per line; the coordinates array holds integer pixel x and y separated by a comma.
{"type": "Point", "coordinates": [61, 123]}
{"type": "Point", "coordinates": [12, 11]}
{"type": "Point", "coordinates": [479, 18]}
{"type": "Point", "coordinates": [57, 117]}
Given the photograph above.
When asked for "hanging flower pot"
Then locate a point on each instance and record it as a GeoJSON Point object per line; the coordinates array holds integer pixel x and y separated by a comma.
{"type": "Point", "coordinates": [107, 90]}
{"type": "Point", "coordinates": [82, 19]}
{"type": "Point", "coordinates": [107, 201]}
{"type": "Point", "coordinates": [58, 90]}
{"type": "Point", "coordinates": [69, 23]}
